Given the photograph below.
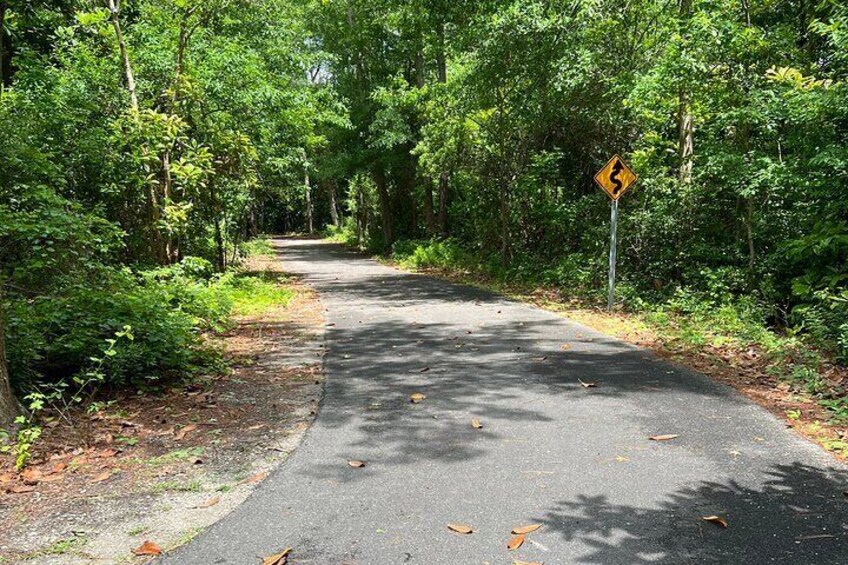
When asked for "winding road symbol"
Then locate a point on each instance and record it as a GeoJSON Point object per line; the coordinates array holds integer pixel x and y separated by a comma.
{"type": "Point", "coordinates": [616, 178]}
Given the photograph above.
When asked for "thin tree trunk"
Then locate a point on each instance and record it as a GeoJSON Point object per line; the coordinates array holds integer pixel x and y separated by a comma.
{"type": "Point", "coordinates": [385, 207]}
{"type": "Point", "coordinates": [220, 253]}
{"type": "Point", "coordinates": [9, 408]}
{"type": "Point", "coordinates": [444, 177]}
{"type": "Point", "coordinates": [309, 212]}
{"type": "Point", "coordinates": [115, 9]}
{"type": "Point", "coordinates": [429, 215]}
{"type": "Point", "coordinates": [504, 221]}
{"type": "Point", "coordinates": [685, 119]}
{"type": "Point", "coordinates": [4, 50]}
{"type": "Point", "coordinates": [334, 211]}
{"type": "Point", "coordinates": [444, 194]}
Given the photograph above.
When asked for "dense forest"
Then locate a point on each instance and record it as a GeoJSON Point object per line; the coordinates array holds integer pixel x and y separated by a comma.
{"type": "Point", "coordinates": [146, 142]}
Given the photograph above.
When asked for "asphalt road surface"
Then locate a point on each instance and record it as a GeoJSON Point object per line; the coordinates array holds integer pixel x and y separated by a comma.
{"type": "Point", "coordinates": [576, 460]}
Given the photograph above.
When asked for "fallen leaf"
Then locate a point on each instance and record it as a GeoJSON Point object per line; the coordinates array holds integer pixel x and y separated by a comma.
{"type": "Point", "coordinates": [540, 359]}
{"type": "Point", "coordinates": [183, 431]}
{"type": "Point", "coordinates": [103, 477]}
{"type": "Point", "coordinates": [279, 558]}
{"type": "Point", "coordinates": [664, 437]}
{"type": "Point", "coordinates": [417, 397]}
{"type": "Point", "coordinates": [521, 530]}
{"type": "Point", "coordinates": [718, 520]}
{"type": "Point", "coordinates": [31, 476]}
{"type": "Point", "coordinates": [58, 468]}
{"type": "Point", "coordinates": [475, 423]}
{"type": "Point", "coordinates": [356, 464]}
{"type": "Point", "coordinates": [254, 479]}
{"type": "Point", "coordinates": [107, 453]}
{"type": "Point", "coordinates": [587, 384]}
{"type": "Point", "coordinates": [515, 542]}
{"type": "Point", "coordinates": [565, 347]}
{"type": "Point", "coordinates": [147, 548]}
{"type": "Point", "coordinates": [461, 528]}
{"type": "Point", "coordinates": [424, 370]}
{"type": "Point", "coordinates": [517, 562]}
{"type": "Point", "coordinates": [21, 489]}
{"type": "Point", "coordinates": [209, 503]}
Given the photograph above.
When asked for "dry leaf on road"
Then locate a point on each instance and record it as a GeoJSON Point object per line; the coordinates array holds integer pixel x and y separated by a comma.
{"type": "Point", "coordinates": [31, 477]}
{"type": "Point", "coordinates": [515, 542]}
{"type": "Point", "coordinates": [209, 503]}
{"type": "Point", "coordinates": [20, 489]}
{"type": "Point", "coordinates": [664, 437]}
{"type": "Point", "coordinates": [417, 397]}
{"type": "Point", "coordinates": [278, 558]}
{"type": "Point", "coordinates": [147, 548]}
{"type": "Point", "coordinates": [356, 464]}
{"type": "Point", "coordinates": [718, 520]}
{"type": "Point", "coordinates": [102, 477]}
{"type": "Point", "coordinates": [184, 431]}
{"type": "Point", "coordinates": [461, 528]}
{"type": "Point", "coordinates": [476, 424]}
{"type": "Point", "coordinates": [521, 530]}
{"type": "Point", "coordinates": [254, 479]}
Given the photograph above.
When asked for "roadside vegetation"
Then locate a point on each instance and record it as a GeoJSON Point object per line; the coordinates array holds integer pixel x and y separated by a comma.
{"type": "Point", "coordinates": [147, 142]}
{"type": "Point", "coordinates": [145, 145]}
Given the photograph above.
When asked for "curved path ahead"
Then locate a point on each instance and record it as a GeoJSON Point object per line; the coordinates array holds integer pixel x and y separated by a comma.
{"type": "Point", "coordinates": [576, 460]}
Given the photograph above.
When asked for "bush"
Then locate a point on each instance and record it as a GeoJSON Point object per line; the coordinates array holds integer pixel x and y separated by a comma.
{"type": "Point", "coordinates": [53, 337]}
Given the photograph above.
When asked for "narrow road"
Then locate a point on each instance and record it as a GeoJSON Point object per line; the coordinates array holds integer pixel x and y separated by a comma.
{"type": "Point", "coordinates": [576, 460]}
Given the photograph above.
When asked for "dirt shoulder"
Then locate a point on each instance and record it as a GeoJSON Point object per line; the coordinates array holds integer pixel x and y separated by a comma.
{"type": "Point", "coordinates": [163, 467]}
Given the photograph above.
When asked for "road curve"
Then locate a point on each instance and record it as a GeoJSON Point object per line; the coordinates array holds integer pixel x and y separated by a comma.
{"type": "Point", "coordinates": [576, 460]}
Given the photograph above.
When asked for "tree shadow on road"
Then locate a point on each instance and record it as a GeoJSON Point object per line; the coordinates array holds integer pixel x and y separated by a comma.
{"type": "Point", "coordinates": [798, 514]}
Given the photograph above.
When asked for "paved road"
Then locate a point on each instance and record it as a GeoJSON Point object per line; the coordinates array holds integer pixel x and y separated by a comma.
{"type": "Point", "coordinates": [573, 459]}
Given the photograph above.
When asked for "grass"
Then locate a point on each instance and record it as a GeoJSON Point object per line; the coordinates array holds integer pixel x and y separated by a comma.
{"type": "Point", "coordinates": [177, 486]}
{"type": "Point", "coordinates": [63, 546]}
{"type": "Point", "coordinates": [173, 457]}
{"type": "Point", "coordinates": [137, 531]}
{"type": "Point", "coordinates": [259, 247]}
{"type": "Point", "coordinates": [254, 293]}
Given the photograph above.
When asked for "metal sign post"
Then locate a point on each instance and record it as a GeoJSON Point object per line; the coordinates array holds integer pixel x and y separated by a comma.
{"type": "Point", "coordinates": [615, 179]}
{"type": "Point", "coordinates": [613, 250]}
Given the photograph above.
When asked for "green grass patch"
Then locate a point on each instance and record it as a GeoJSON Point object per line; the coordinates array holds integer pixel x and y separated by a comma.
{"type": "Point", "coordinates": [177, 486]}
{"type": "Point", "coordinates": [259, 247]}
{"type": "Point", "coordinates": [63, 546]}
{"type": "Point", "coordinates": [255, 293]}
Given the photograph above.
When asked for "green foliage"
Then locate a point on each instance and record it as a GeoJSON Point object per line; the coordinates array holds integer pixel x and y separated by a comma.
{"type": "Point", "coordinates": [255, 293]}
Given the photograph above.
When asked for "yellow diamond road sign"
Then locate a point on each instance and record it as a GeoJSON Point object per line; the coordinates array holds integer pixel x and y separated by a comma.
{"type": "Point", "coordinates": [616, 178]}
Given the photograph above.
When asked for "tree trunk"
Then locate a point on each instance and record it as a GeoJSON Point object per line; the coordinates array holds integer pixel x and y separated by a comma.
{"type": "Point", "coordinates": [220, 252]}
{"type": "Point", "coordinates": [334, 211]}
{"type": "Point", "coordinates": [114, 9]}
{"type": "Point", "coordinates": [385, 207]}
{"type": "Point", "coordinates": [444, 194]}
{"type": "Point", "coordinates": [9, 408]}
{"type": "Point", "coordinates": [685, 120]}
{"type": "Point", "coordinates": [5, 51]}
{"type": "Point", "coordinates": [429, 215]}
{"type": "Point", "coordinates": [444, 178]}
{"type": "Point", "coordinates": [310, 225]}
{"type": "Point", "coordinates": [504, 221]}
